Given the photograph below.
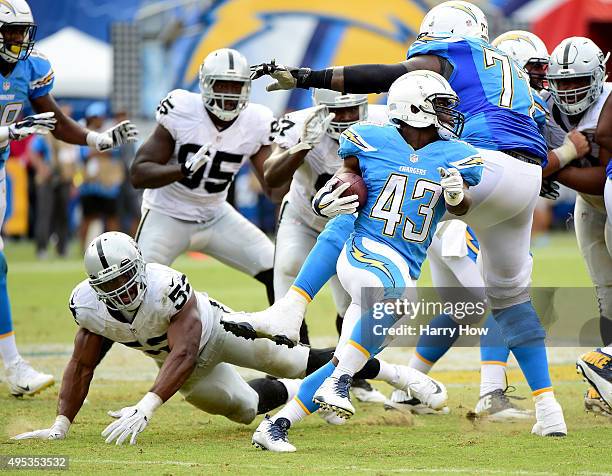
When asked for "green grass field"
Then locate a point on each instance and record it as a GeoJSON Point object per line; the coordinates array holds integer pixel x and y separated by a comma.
{"type": "Point", "coordinates": [183, 440]}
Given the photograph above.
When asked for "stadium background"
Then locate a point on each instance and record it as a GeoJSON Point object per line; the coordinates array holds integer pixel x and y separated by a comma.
{"type": "Point", "coordinates": [130, 53]}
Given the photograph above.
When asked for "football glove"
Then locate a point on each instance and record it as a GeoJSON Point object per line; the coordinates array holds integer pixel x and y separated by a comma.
{"type": "Point", "coordinates": [575, 145]}
{"type": "Point", "coordinates": [287, 77]}
{"type": "Point", "coordinates": [36, 124]}
{"type": "Point", "coordinates": [131, 421]}
{"type": "Point", "coordinates": [196, 161]}
{"type": "Point", "coordinates": [328, 203]}
{"type": "Point", "coordinates": [549, 189]}
{"type": "Point", "coordinates": [58, 431]}
{"type": "Point", "coordinates": [122, 133]}
{"type": "Point", "coordinates": [313, 130]}
{"type": "Point", "coordinates": [452, 184]}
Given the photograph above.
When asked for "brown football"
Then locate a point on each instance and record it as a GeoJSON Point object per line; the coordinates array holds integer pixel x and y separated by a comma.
{"type": "Point", "coordinates": [358, 187]}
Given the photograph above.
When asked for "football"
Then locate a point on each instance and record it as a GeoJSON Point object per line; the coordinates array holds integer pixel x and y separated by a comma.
{"type": "Point", "coordinates": [358, 187]}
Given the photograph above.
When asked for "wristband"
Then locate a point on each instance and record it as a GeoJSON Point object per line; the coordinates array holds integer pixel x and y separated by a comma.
{"type": "Point", "coordinates": [150, 402]}
{"type": "Point", "coordinates": [92, 139]}
{"type": "Point", "coordinates": [566, 153]}
{"type": "Point", "coordinates": [62, 423]}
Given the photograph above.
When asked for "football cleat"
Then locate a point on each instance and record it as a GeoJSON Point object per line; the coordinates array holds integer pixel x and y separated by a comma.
{"type": "Point", "coordinates": [272, 435]}
{"type": "Point", "coordinates": [330, 417]}
{"type": "Point", "coordinates": [22, 379]}
{"type": "Point", "coordinates": [406, 403]}
{"type": "Point", "coordinates": [496, 406]}
{"type": "Point", "coordinates": [280, 322]}
{"type": "Point", "coordinates": [428, 391]}
{"type": "Point", "coordinates": [333, 395]}
{"type": "Point", "coordinates": [596, 368]}
{"type": "Point", "coordinates": [549, 416]}
{"type": "Point", "coordinates": [593, 403]}
{"type": "Point", "coordinates": [364, 392]}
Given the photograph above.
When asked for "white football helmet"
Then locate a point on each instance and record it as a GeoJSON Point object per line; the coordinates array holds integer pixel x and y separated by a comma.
{"type": "Point", "coordinates": [225, 65]}
{"type": "Point", "coordinates": [17, 30]}
{"type": "Point", "coordinates": [455, 18]}
{"type": "Point", "coordinates": [576, 57]}
{"type": "Point", "coordinates": [334, 100]}
{"type": "Point", "coordinates": [525, 48]}
{"type": "Point", "coordinates": [116, 271]}
{"type": "Point", "coordinates": [423, 99]}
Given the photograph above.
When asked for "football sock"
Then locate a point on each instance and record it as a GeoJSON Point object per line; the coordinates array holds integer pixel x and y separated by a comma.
{"type": "Point", "coordinates": [320, 264]}
{"type": "Point", "coordinates": [419, 363]}
{"type": "Point", "coordinates": [492, 377]}
{"type": "Point", "coordinates": [8, 347]}
{"type": "Point", "coordinates": [272, 393]}
{"type": "Point", "coordinates": [267, 279]}
{"type": "Point", "coordinates": [493, 358]}
{"type": "Point", "coordinates": [433, 347]}
{"type": "Point", "coordinates": [307, 390]}
{"type": "Point", "coordinates": [293, 411]}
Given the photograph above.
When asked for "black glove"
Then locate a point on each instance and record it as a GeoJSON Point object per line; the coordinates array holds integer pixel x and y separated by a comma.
{"type": "Point", "coordinates": [549, 189]}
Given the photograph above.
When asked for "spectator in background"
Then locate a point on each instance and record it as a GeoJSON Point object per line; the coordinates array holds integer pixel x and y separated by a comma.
{"type": "Point", "coordinates": [103, 174]}
{"type": "Point", "coordinates": [129, 197]}
{"type": "Point", "coordinates": [54, 163]}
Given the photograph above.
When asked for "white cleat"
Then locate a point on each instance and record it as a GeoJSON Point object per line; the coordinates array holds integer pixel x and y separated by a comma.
{"type": "Point", "coordinates": [549, 416]}
{"type": "Point", "coordinates": [272, 435]}
{"type": "Point", "coordinates": [428, 391]}
{"type": "Point", "coordinates": [406, 403]}
{"type": "Point", "coordinates": [593, 403]}
{"type": "Point", "coordinates": [22, 379]}
{"type": "Point", "coordinates": [496, 406]}
{"type": "Point", "coordinates": [281, 322]}
{"type": "Point", "coordinates": [330, 417]}
{"type": "Point", "coordinates": [334, 395]}
{"type": "Point", "coordinates": [596, 368]}
{"type": "Point", "coordinates": [364, 392]}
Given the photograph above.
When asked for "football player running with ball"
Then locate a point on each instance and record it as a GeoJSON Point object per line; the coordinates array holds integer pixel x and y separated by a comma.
{"type": "Point", "coordinates": [189, 163]}
{"type": "Point", "coordinates": [392, 233]}
{"type": "Point", "coordinates": [27, 77]}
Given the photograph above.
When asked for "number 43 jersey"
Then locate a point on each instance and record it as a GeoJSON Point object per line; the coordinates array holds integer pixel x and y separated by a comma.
{"type": "Point", "coordinates": [166, 294]}
{"type": "Point", "coordinates": [405, 200]}
{"type": "Point", "coordinates": [183, 115]}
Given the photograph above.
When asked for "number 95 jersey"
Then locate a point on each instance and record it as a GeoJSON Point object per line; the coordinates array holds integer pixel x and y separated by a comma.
{"type": "Point", "coordinates": [183, 115]}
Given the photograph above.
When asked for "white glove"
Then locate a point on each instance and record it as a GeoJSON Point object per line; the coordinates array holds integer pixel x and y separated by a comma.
{"type": "Point", "coordinates": [575, 144]}
{"type": "Point", "coordinates": [452, 184]}
{"type": "Point", "coordinates": [36, 124]}
{"type": "Point", "coordinates": [313, 130]}
{"type": "Point", "coordinates": [58, 431]}
{"type": "Point", "coordinates": [196, 161]}
{"type": "Point", "coordinates": [328, 203]}
{"type": "Point", "coordinates": [131, 420]}
{"type": "Point", "coordinates": [122, 133]}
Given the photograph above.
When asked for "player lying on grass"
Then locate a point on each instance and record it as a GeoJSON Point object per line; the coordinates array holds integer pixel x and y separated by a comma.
{"type": "Point", "coordinates": [153, 308]}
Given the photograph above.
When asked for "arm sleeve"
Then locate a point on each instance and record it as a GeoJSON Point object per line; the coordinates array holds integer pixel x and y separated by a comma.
{"type": "Point", "coordinates": [371, 78]}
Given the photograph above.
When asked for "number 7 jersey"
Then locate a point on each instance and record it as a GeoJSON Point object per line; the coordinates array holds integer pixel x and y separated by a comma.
{"type": "Point", "coordinates": [405, 200]}
{"type": "Point", "coordinates": [183, 115]}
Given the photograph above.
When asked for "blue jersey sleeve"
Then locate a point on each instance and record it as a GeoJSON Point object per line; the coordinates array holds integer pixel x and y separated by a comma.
{"type": "Point", "coordinates": [353, 143]}
{"type": "Point", "coordinates": [540, 113]}
{"type": "Point", "coordinates": [41, 75]}
{"type": "Point", "coordinates": [433, 45]}
{"type": "Point", "coordinates": [468, 161]}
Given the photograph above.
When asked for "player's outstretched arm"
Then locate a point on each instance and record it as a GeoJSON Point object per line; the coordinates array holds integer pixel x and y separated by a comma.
{"type": "Point", "coordinates": [184, 335]}
{"type": "Point", "coordinates": [68, 130]}
{"type": "Point", "coordinates": [591, 180]}
{"type": "Point", "coordinates": [358, 79]}
{"type": "Point", "coordinates": [89, 349]}
{"type": "Point", "coordinates": [150, 168]}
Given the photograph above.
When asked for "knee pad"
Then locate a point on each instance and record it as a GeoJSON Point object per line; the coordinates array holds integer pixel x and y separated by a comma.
{"type": "Point", "coordinates": [243, 410]}
{"type": "Point", "coordinates": [519, 325]}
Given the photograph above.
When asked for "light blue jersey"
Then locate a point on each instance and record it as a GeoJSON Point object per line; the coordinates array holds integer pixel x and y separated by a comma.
{"type": "Point", "coordinates": [405, 201]}
{"type": "Point", "coordinates": [540, 115]}
{"type": "Point", "coordinates": [31, 78]}
{"type": "Point", "coordinates": [494, 94]}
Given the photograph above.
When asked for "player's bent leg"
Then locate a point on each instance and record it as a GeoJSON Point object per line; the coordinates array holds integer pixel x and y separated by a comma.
{"type": "Point", "coordinates": [221, 390]}
{"type": "Point", "coordinates": [156, 243]}
{"type": "Point", "coordinates": [281, 322]}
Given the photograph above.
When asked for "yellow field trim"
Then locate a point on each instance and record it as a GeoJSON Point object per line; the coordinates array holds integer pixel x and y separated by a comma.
{"type": "Point", "coordinates": [301, 405]}
{"type": "Point", "coordinates": [302, 292]}
{"type": "Point", "coordinates": [359, 347]}
{"type": "Point", "coordinates": [541, 391]}
{"type": "Point", "coordinates": [493, 362]}
{"type": "Point", "coordinates": [8, 334]}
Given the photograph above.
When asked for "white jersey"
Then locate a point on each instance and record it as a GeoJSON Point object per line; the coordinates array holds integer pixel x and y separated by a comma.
{"type": "Point", "coordinates": [558, 125]}
{"type": "Point", "coordinates": [320, 163]}
{"type": "Point", "coordinates": [183, 115]}
{"type": "Point", "coordinates": [166, 294]}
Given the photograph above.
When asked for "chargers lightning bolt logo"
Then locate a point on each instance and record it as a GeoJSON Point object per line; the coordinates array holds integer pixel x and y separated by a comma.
{"type": "Point", "coordinates": [375, 263]}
